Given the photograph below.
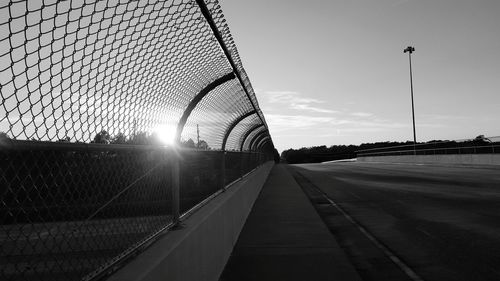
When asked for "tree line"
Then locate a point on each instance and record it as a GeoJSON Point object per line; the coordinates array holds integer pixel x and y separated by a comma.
{"type": "Point", "coordinates": [140, 138]}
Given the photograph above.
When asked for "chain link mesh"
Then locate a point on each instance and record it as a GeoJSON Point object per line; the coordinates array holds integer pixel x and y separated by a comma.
{"type": "Point", "coordinates": [91, 90]}
{"type": "Point", "coordinates": [217, 111]}
{"type": "Point", "coordinates": [236, 136]}
{"type": "Point", "coordinates": [66, 212]}
{"type": "Point", "coordinates": [252, 136]}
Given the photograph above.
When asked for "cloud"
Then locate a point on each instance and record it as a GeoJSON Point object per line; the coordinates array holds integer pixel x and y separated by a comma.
{"type": "Point", "coordinates": [362, 114]}
{"type": "Point", "coordinates": [297, 117]}
{"type": "Point", "coordinates": [281, 122]}
{"type": "Point", "coordinates": [294, 100]}
{"type": "Point", "coordinates": [288, 96]}
{"type": "Point", "coordinates": [311, 108]}
{"type": "Point", "coordinates": [442, 117]}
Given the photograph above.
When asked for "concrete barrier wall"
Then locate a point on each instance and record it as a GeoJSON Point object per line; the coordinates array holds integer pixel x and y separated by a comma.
{"type": "Point", "coordinates": [199, 250]}
{"type": "Point", "coordinates": [461, 159]}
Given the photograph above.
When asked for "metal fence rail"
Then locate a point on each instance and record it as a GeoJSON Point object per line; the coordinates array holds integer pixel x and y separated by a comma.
{"type": "Point", "coordinates": [116, 118]}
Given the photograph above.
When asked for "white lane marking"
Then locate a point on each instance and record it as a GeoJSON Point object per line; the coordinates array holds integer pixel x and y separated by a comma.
{"type": "Point", "coordinates": [405, 268]}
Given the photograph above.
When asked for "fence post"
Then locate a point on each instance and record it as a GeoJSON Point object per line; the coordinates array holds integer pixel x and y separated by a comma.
{"type": "Point", "coordinates": [175, 174]}
{"type": "Point", "coordinates": [241, 164]}
{"type": "Point", "coordinates": [223, 170]}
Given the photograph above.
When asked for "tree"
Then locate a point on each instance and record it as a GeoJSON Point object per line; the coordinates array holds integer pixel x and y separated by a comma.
{"type": "Point", "coordinates": [203, 145]}
{"type": "Point", "coordinates": [189, 143]}
{"type": "Point", "coordinates": [481, 138]}
{"type": "Point", "coordinates": [102, 137]}
{"type": "Point", "coordinates": [120, 138]}
{"type": "Point", "coordinates": [4, 136]}
{"type": "Point", "coordinates": [140, 138]}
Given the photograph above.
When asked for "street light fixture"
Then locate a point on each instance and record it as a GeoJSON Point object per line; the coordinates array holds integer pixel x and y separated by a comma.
{"type": "Point", "coordinates": [410, 50]}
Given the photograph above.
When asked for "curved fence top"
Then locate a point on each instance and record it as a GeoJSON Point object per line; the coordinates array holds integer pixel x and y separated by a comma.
{"type": "Point", "coordinates": [121, 71]}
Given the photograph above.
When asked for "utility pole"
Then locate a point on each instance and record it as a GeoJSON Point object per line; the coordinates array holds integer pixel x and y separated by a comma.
{"type": "Point", "coordinates": [410, 50]}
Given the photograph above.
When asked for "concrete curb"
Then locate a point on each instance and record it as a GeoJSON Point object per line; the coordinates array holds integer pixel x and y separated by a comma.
{"type": "Point", "coordinates": [458, 159]}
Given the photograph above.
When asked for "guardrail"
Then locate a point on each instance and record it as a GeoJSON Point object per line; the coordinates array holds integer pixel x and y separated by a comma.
{"type": "Point", "coordinates": [468, 146]}
{"type": "Point", "coordinates": [454, 150]}
{"type": "Point", "coordinates": [117, 118]}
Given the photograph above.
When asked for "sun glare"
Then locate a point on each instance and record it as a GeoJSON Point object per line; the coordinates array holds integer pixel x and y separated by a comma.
{"type": "Point", "coordinates": [166, 134]}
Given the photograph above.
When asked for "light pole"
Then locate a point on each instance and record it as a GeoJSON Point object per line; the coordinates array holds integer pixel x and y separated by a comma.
{"type": "Point", "coordinates": [410, 50]}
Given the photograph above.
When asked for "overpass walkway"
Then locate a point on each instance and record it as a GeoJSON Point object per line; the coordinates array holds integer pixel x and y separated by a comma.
{"type": "Point", "coordinates": [285, 239]}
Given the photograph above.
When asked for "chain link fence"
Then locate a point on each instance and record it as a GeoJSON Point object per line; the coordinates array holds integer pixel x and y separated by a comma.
{"type": "Point", "coordinates": [102, 102]}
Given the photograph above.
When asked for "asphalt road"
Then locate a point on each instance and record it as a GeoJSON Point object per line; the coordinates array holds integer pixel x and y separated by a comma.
{"type": "Point", "coordinates": [443, 222]}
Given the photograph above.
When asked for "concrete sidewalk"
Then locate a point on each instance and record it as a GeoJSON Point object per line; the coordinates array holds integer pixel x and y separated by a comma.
{"type": "Point", "coordinates": [285, 239]}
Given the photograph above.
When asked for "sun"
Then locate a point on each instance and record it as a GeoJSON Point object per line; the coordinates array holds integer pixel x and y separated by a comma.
{"type": "Point", "coordinates": [166, 134]}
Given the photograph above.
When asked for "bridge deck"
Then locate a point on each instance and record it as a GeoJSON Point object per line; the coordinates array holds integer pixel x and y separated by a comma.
{"type": "Point", "coordinates": [285, 239]}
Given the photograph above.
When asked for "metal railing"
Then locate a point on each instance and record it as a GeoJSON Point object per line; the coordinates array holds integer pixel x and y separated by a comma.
{"type": "Point", "coordinates": [90, 91]}
{"type": "Point", "coordinates": [464, 146]}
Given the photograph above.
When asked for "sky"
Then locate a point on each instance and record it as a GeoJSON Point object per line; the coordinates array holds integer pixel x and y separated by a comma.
{"type": "Point", "coordinates": [331, 72]}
